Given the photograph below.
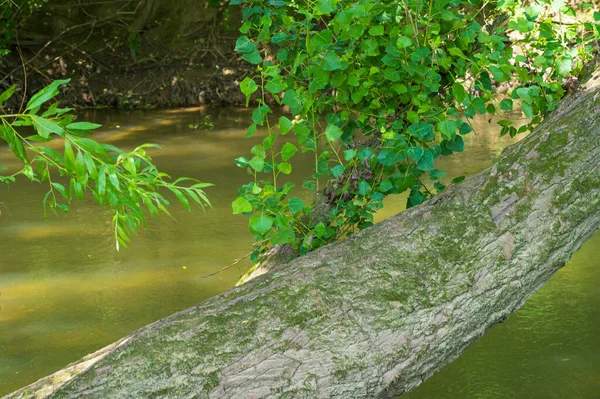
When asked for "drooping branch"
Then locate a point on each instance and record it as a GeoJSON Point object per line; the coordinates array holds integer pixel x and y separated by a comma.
{"type": "Point", "coordinates": [375, 315]}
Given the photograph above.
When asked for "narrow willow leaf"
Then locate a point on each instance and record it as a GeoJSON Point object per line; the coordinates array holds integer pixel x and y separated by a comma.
{"type": "Point", "coordinates": [47, 93]}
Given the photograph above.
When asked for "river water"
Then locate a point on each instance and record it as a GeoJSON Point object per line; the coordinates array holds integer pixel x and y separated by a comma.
{"type": "Point", "coordinates": [66, 292]}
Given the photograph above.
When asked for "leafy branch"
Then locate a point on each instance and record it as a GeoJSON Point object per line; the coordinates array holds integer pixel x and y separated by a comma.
{"type": "Point", "coordinates": [380, 90]}
{"type": "Point", "coordinates": [128, 183]}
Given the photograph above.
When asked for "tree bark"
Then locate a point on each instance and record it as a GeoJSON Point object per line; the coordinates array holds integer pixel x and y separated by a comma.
{"type": "Point", "coordinates": [375, 315]}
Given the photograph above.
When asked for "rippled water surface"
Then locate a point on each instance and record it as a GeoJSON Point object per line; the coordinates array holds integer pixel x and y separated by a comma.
{"type": "Point", "coordinates": [66, 292]}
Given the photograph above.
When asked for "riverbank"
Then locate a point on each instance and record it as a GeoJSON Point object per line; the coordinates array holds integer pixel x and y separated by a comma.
{"type": "Point", "coordinates": [120, 56]}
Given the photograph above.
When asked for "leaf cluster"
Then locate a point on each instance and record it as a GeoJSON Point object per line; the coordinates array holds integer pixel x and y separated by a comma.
{"type": "Point", "coordinates": [128, 183]}
{"type": "Point", "coordinates": [380, 90]}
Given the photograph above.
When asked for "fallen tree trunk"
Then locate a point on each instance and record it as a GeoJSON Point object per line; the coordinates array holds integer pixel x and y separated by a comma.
{"type": "Point", "coordinates": [375, 315]}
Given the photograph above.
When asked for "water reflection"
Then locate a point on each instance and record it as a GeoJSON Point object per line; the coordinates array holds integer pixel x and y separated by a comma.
{"type": "Point", "coordinates": [550, 348]}
{"type": "Point", "coordinates": [66, 292]}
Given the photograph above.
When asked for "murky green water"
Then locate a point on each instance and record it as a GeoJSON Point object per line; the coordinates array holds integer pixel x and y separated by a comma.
{"type": "Point", "coordinates": [65, 291]}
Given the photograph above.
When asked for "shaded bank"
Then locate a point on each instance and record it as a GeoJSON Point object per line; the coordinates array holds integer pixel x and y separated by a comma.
{"type": "Point", "coordinates": [375, 315]}
{"type": "Point", "coordinates": [129, 54]}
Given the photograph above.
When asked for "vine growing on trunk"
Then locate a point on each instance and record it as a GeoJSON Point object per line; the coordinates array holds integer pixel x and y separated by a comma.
{"type": "Point", "coordinates": [380, 90]}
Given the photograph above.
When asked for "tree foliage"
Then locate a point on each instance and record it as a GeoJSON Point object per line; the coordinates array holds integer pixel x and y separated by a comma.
{"type": "Point", "coordinates": [380, 90]}
{"type": "Point", "coordinates": [126, 182]}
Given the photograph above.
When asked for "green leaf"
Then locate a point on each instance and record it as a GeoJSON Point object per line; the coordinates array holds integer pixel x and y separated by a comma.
{"type": "Point", "coordinates": [80, 168]}
{"type": "Point", "coordinates": [295, 205]}
{"type": "Point", "coordinates": [527, 110]}
{"type": "Point", "coordinates": [269, 140]}
{"type": "Point", "coordinates": [242, 162]}
{"type": "Point", "coordinates": [355, 30]}
{"type": "Point", "coordinates": [448, 15]}
{"type": "Point", "coordinates": [377, 30]}
{"type": "Point", "coordinates": [69, 157]}
{"type": "Point", "coordinates": [456, 144]}
{"type": "Point", "coordinates": [288, 151]}
{"type": "Point", "coordinates": [47, 93]}
{"type": "Point", "coordinates": [180, 196]}
{"type": "Point", "coordinates": [279, 37]}
{"type": "Point", "coordinates": [257, 163]}
{"type": "Point", "coordinates": [244, 45]}
{"type": "Point", "coordinates": [320, 229]}
{"type": "Point", "coordinates": [253, 57]}
{"type": "Point", "coordinates": [258, 150]}
{"type": "Point", "coordinates": [369, 46]}
{"type": "Point", "coordinates": [564, 66]}
{"type": "Point", "coordinates": [261, 224]}
{"type": "Point", "coordinates": [455, 51]}
{"type": "Point", "coordinates": [275, 86]}
{"type": "Point", "coordinates": [44, 126]}
{"type": "Point", "coordinates": [248, 86]}
{"type": "Point", "coordinates": [497, 73]}
{"type": "Point", "coordinates": [386, 185]}
{"type": "Point", "coordinates": [61, 189]}
{"type": "Point", "coordinates": [90, 165]}
{"type": "Point", "coordinates": [320, 40]}
{"type": "Point", "coordinates": [465, 128]}
{"type": "Point", "coordinates": [522, 25]}
{"type": "Point", "coordinates": [412, 116]}
{"type": "Point", "coordinates": [415, 153]}
{"type": "Point", "coordinates": [392, 74]}
{"type": "Point", "coordinates": [506, 104]}
{"type": "Point", "coordinates": [525, 94]}
{"type": "Point", "coordinates": [90, 145]}
{"type": "Point", "coordinates": [349, 154]}
{"type": "Point", "coordinates": [258, 114]}
{"type": "Point", "coordinates": [459, 92]}
{"type": "Point", "coordinates": [331, 61]}
{"type": "Point", "coordinates": [403, 42]}
{"type": "Point", "coordinates": [324, 7]}
{"type": "Point", "coordinates": [332, 132]}
{"type": "Point", "coordinates": [283, 236]}
{"type": "Point", "coordinates": [101, 182]}
{"type": "Point", "coordinates": [337, 170]}
{"type": "Point", "coordinates": [292, 100]}
{"type": "Point", "coordinates": [285, 168]}
{"type": "Point", "coordinates": [436, 174]}
{"type": "Point", "coordinates": [83, 126]}
{"type": "Point", "coordinates": [7, 94]}
{"type": "Point", "coordinates": [426, 161]}
{"type": "Point", "coordinates": [448, 128]}
{"type": "Point", "coordinates": [251, 130]}
{"type": "Point", "coordinates": [114, 180]}
{"type": "Point", "coordinates": [14, 142]}
{"type": "Point", "coordinates": [364, 187]}
{"type": "Point", "coordinates": [285, 125]}
{"type": "Point", "coordinates": [241, 205]}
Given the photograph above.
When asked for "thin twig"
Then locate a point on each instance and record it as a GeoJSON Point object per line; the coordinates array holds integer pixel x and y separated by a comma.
{"type": "Point", "coordinates": [235, 262]}
{"type": "Point", "coordinates": [485, 150]}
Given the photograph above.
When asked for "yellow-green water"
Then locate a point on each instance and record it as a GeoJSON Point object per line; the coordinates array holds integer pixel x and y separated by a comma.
{"type": "Point", "coordinates": [66, 292]}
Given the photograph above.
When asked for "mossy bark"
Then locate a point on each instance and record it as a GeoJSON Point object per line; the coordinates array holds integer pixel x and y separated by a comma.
{"type": "Point", "coordinates": [375, 315]}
